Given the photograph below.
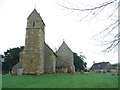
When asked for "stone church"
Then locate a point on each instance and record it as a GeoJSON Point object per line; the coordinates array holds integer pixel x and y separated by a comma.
{"type": "Point", "coordinates": [37, 57]}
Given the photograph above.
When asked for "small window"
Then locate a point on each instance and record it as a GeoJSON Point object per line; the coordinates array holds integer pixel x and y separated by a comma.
{"type": "Point", "coordinates": [33, 24]}
{"type": "Point", "coordinates": [31, 61]}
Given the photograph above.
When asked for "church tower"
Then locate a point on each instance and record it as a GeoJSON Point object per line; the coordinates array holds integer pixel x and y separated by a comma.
{"type": "Point", "coordinates": [33, 54]}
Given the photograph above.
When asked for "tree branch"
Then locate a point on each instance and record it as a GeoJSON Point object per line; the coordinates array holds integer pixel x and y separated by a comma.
{"type": "Point", "coordinates": [89, 9]}
{"type": "Point", "coordinates": [108, 31]}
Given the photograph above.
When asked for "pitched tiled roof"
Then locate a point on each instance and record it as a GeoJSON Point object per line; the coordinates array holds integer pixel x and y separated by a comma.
{"type": "Point", "coordinates": [114, 66]}
{"type": "Point", "coordinates": [100, 66]}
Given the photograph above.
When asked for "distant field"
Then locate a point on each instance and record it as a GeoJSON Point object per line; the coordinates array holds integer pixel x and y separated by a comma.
{"type": "Point", "coordinates": [61, 80]}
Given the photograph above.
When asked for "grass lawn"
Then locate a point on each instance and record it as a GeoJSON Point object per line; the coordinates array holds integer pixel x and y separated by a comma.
{"type": "Point", "coordinates": [0, 81]}
{"type": "Point", "coordinates": [61, 80]}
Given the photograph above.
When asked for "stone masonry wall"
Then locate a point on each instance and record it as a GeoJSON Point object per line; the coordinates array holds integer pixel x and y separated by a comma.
{"type": "Point", "coordinates": [65, 57]}
{"type": "Point", "coordinates": [33, 58]}
{"type": "Point", "coordinates": [50, 60]}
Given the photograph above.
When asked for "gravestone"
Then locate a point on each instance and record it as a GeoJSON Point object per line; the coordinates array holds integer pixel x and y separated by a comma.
{"type": "Point", "coordinates": [19, 71]}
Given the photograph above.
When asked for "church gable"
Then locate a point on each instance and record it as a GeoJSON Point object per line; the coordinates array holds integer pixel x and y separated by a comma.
{"type": "Point", "coordinates": [65, 57]}
{"type": "Point", "coordinates": [64, 49]}
{"type": "Point", "coordinates": [34, 20]}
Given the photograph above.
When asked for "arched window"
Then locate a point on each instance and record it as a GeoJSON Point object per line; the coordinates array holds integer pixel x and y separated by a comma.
{"type": "Point", "coordinates": [33, 24]}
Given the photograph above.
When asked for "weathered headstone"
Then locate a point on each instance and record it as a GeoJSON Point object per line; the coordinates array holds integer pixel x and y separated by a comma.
{"type": "Point", "coordinates": [20, 71]}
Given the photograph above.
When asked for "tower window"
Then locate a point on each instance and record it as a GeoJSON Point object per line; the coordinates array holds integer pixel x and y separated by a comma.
{"type": "Point", "coordinates": [33, 24]}
{"type": "Point", "coordinates": [31, 61]}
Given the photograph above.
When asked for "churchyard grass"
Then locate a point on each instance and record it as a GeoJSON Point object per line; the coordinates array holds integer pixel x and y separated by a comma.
{"type": "Point", "coordinates": [0, 81]}
{"type": "Point", "coordinates": [61, 80]}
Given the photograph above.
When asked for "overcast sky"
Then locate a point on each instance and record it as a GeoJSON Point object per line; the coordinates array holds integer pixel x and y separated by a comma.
{"type": "Point", "coordinates": [61, 24]}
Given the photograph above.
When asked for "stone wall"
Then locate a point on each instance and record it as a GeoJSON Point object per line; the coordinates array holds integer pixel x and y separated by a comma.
{"type": "Point", "coordinates": [65, 57]}
{"type": "Point", "coordinates": [33, 54]}
{"type": "Point", "coordinates": [34, 20]}
{"type": "Point", "coordinates": [50, 60]}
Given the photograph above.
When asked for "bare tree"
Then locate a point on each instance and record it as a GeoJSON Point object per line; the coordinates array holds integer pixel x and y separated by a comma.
{"type": "Point", "coordinates": [107, 37]}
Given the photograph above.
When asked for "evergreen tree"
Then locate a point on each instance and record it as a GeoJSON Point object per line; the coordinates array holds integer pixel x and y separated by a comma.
{"type": "Point", "coordinates": [79, 62]}
{"type": "Point", "coordinates": [11, 58]}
